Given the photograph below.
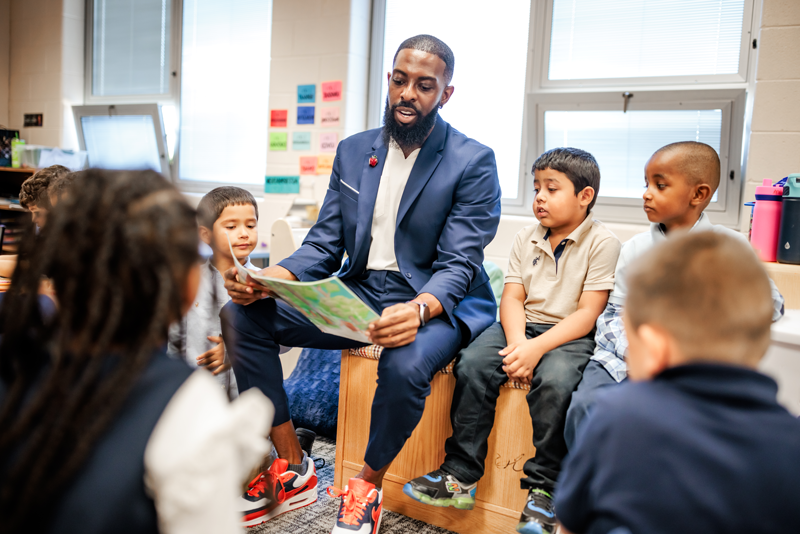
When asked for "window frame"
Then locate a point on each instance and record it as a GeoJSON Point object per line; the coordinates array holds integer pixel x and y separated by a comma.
{"type": "Point", "coordinates": [660, 81]}
{"type": "Point", "coordinates": [735, 89]}
{"type": "Point", "coordinates": [172, 97]}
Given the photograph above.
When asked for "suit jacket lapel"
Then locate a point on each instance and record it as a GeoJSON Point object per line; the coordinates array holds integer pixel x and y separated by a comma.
{"type": "Point", "coordinates": [427, 161]}
{"type": "Point", "coordinates": [368, 192]}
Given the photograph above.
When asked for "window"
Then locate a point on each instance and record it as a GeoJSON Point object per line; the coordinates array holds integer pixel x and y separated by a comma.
{"type": "Point", "coordinates": [490, 44]}
{"type": "Point", "coordinates": [686, 65]}
{"type": "Point", "coordinates": [622, 142]}
{"type": "Point", "coordinates": [224, 92]}
{"type": "Point", "coordinates": [591, 39]}
{"type": "Point", "coordinates": [131, 51]}
{"type": "Point", "coordinates": [206, 63]}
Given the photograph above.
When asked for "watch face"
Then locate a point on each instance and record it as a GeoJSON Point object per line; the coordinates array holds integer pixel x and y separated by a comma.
{"type": "Point", "coordinates": [426, 313]}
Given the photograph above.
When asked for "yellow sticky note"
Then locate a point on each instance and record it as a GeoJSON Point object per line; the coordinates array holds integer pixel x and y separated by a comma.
{"type": "Point", "coordinates": [325, 163]}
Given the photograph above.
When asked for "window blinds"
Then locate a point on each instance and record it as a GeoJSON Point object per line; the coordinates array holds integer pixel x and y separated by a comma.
{"type": "Point", "coordinates": [622, 143]}
{"type": "Point", "coordinates": [131, 47]}
{"type": "Point", "coordinates": [644, 38]}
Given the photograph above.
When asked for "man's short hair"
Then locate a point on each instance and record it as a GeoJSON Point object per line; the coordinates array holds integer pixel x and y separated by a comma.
{"type": "Point", "coordinates": [580, 167]}
{"type": "Point", "coordinates": [697, 161]}
{"type": "Point", "coordinates": [60, 184]}
{"type": "Point", "coordinates": [216, 200]}
{"type": "Point", "coordinates": [709, 291]}
{"type": "Point", "coordinates": [34, 189]}
{"type": "Point", "coordinates": [431, 45]}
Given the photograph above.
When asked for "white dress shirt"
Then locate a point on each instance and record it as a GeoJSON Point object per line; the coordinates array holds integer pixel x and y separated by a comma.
{"type": "Point", "coordinates": [384, 218]}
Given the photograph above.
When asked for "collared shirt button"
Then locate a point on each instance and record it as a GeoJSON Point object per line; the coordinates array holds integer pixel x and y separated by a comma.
{"type": "Point", "coordinates": [408, 275]}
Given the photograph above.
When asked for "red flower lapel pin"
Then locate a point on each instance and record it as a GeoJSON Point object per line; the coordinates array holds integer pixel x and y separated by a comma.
{"type": "Point", "coordinates": [373, 160]}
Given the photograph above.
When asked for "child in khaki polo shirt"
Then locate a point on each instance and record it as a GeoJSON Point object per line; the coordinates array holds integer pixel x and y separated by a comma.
{"type": "Point", "coordinates": [559, 275]}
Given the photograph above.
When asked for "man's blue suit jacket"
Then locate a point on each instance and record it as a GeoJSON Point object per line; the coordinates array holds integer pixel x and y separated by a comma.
{"type": "Point", "coordinates": [448, 213]}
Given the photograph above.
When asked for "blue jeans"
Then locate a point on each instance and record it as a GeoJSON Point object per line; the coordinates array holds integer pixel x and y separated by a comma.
{"type": "Point", "coordinates": [254, 333]}
{"type": "Point", "coordinates": [479, 375]}
{"type": "Point", "coordinates": [595, 380]}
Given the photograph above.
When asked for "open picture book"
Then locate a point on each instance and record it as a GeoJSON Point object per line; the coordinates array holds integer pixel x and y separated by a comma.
{"type": "Point", "coordinates": [329, 304]}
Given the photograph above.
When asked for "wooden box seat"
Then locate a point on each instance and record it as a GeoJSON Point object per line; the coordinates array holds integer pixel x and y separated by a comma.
{"type": "Point", "coordinates": [499, 499]}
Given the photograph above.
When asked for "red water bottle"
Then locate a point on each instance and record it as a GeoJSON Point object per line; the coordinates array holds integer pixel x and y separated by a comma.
{"type": "Point", "coordinates": [767, 220]}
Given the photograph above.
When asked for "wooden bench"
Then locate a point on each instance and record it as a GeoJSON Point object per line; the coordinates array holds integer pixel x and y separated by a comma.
{"type": "Point", "coordinates": [499, 499]}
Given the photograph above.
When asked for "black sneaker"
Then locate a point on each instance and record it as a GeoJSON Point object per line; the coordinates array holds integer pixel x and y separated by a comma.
{"type": "Point", "coordinates": [441, 489]}
{"type": "Point", "coordinates": [538, 516]}
{"type": "Point", "coordinates": [306, 438]}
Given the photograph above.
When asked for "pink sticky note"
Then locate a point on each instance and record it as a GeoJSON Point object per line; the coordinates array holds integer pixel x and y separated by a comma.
{"type": "Point", "coordinates": [329, 116]}
{"type": "Point", "coordinates": [308, 165]}
{"type": "Point", "coordinates": [327, 142]}
{"type": "Point", "coordinates": [331, 91]}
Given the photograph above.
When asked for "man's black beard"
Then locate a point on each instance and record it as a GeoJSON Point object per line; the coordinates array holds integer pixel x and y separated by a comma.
{"type": "Point", "coordinates": [407, 136]}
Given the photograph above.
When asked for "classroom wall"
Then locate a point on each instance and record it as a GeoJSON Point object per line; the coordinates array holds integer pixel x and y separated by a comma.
{"type": "Point", "coordinates": [5, 57]}
{"type": "Point", "coordinates": [315, 41]}
{"type": "Point", "coordinates": [46, 68]}
{"type": "Point", "coordinates": [775, 132]}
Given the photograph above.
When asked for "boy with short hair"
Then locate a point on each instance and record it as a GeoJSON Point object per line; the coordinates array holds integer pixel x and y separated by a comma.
{"type": "Point", "coordinates": [681, 179]}
{"type": "Point", "coordinates": [223, 212]}
{"type": "Point", "coordinates": [33, 195]}
{"type": "Point", "coordinates": [36, 197]}
{"type": "Point", "coordinates": [559, 274]}
{"type": "Point", "coordinates": [701, 444]}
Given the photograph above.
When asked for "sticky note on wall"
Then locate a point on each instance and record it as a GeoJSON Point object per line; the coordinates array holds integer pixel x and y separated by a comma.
{"type": "Point", "coordinates": [327, 142]}
{"type": "Point", "coordinates": [278, 118]}
{"type": "Point", "coordinates": [305, 114]}
{"type": "Point", "coordinates": [278, 141]}
{"type": "Point", "coordinates": [282, 184]}
{"type": "Point", "coordinates": [329, 116]}
{"type": "Point", "coordinates": [306, 94]}
{"type": "Point", "coordinates": [325, 164]}
{"type": "Point", "coordinates": [331, 91]}
{"type": "Point", "coordinates": [308, 165]}
{"type": "Point", "coordinates": [301, 141]}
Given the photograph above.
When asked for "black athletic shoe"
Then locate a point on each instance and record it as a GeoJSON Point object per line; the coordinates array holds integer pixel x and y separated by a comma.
{"type": "Point", "coordinates": [441, 489]}
{"type": "Point", "coordinates": [538, 516]}
{"type": "Point", "coordinates": [306, 438]}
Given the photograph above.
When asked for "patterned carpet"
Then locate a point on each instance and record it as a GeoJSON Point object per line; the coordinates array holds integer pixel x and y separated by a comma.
{"type": "Point", "coordinates": [319, 517]}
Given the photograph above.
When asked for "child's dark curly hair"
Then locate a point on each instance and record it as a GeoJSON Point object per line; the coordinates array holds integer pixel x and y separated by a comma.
{"type": "Point", "coordinates": [118, 255]}
{"type": "Point", "coordinates": [34, 189]}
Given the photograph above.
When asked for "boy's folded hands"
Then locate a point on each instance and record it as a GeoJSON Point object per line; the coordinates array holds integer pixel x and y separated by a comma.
{"type": "Point", "coordinates": [521, 358]}
{"type": "Point", "coordinates": [214, 359]}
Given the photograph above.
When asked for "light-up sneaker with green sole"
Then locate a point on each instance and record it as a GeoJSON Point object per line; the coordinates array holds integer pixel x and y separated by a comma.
{"type": "Point", "coordinates": [441, 489]}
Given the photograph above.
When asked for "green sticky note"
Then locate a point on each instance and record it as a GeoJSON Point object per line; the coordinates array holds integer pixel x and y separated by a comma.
{"type": "Point", "coordinates": [301, 140]}
{"type": "Point", "coordinates": [278, 140]}
{"type": "Point", "coordinates": [281, 184]}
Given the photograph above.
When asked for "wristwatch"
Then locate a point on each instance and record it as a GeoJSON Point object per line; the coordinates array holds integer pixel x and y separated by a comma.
{"type": "Point", "coordinates": [424, 312]}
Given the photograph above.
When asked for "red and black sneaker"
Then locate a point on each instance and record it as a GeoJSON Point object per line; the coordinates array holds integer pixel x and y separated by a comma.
{"type": "Point", "coordinates": [361, 508]}
{"type": "Point", "coordinates": [278, 490]}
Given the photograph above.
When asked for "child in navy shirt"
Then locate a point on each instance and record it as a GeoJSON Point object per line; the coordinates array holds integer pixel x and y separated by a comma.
{"type": "Point", "coordinates": [698, 443]}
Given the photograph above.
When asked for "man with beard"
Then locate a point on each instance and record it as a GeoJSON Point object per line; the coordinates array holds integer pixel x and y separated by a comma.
{"type": "Point", "coordinates": [412, 205]}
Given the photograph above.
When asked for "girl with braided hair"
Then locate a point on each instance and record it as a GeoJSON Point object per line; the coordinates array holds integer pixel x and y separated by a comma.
{"type": "Point", "coordinates": [100, 430]}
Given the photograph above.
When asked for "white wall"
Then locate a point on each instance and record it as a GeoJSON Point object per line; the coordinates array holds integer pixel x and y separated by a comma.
{"type": "Point", "coordinates": [775, 133]}
{"type": "Point", "coordinates": [5, 57]}
{"type": "Point", "coordinates": [46, 68]}
{"type": "Point", "coordinates": [315, 41]}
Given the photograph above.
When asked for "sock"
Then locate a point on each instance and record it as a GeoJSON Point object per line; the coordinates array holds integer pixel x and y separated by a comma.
{"type": "Point", "coordinates": [300, 468]}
